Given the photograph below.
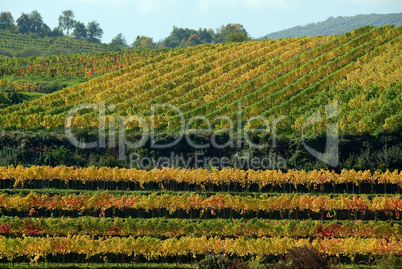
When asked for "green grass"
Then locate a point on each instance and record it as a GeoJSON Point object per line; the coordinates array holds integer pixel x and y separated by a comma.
{"type": "Point", "coordinates": [28, 96]}
{"type": "Point", "coordinates": [47, 82]}
{"type": "Point", "coordinates": [10, 98]}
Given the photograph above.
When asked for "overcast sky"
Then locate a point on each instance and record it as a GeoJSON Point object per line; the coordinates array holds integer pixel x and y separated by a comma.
{"type": "Point", "coordinates": [156, 18]}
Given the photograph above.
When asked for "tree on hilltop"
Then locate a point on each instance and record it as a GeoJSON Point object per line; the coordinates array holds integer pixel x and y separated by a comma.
{"type": "Point", "coordinates": [231, 32]}
{"type": "Point", "coordinates": [7, 21]}
{"type": "Point", "coordinates": [119, 40]}
{"type": "Point", "coordinates": [80, 32]}
{"type": "Point", "coordinates": [66, 20]}
{"type": "Point", "coordinates": [32, 23]}
{"type": "Point", "coordinates": [36, 22]}
{"type": "Point", "coordinates": [94, 32]}
{"type": "Point", "coordinates": [24, 23]}
{"type": "Point", "coordinates": [143, 42]}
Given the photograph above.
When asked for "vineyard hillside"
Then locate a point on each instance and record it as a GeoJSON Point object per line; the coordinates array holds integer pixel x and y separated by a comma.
{"type": "Point", "coordinates": [25, 45]}
{"type": "Point", "coordinates": [295, 77]}
{"type": "Point", "coordinates": [46, 74]}
{"type": "Point", "coordinates": [75, 65]}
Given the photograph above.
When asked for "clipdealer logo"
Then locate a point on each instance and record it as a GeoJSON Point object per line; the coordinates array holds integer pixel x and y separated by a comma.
{"type": "Point", "coordinates": [329, 156]}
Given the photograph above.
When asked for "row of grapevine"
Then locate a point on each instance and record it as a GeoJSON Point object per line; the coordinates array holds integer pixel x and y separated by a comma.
{"type": "Point", "coordinates": [21, 175]}
{"type": "Point", "coordinates": [170, 227]}
{"type": "Point", "coordinates": [35, 248]}
{"type": "Point", "coordinates": [194, 204]}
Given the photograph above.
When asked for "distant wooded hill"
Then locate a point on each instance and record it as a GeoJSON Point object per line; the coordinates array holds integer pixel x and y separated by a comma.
{"type": "Point", "coordinates": [338, 25]}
